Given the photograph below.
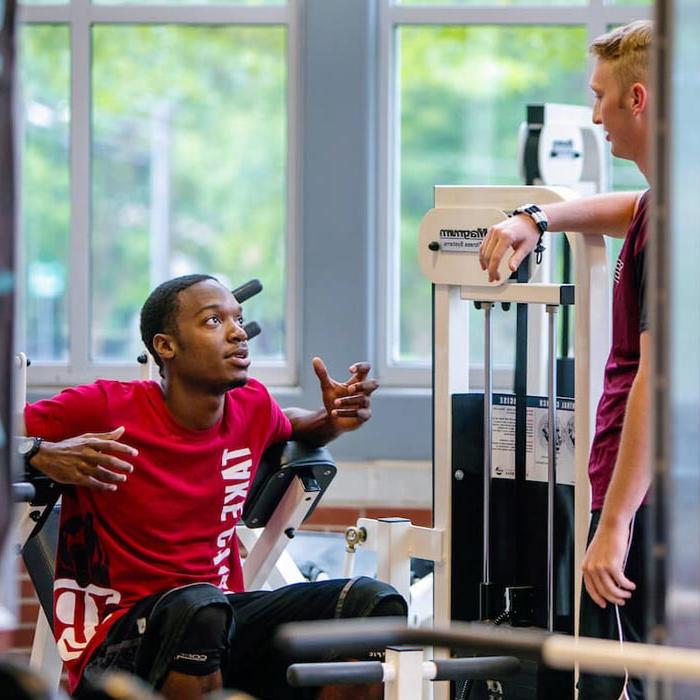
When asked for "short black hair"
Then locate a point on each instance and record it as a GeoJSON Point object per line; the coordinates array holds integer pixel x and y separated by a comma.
{"type": "Point", "coordinates": [159, 310]}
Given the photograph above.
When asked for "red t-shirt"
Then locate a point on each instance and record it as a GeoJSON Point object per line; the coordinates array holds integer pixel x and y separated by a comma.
{"type": "Point", "coordinates": [628, 321]}
{"type": "Point", "coordinates": [171, 523]}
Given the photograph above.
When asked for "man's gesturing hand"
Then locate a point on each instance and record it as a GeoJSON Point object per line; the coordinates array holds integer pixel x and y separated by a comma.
{"type": "Point", "coordinates": [347, 403]}
{"type": "Point", "coordinates": [87, 460]}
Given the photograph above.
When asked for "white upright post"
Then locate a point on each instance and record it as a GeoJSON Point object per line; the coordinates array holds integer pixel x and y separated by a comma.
{"type": "Point", "coordinates": [393, 547]}
{"type": "Point", "coordinates": [591, 347]}
{"type": "Point", "coordinates": [406, 678]}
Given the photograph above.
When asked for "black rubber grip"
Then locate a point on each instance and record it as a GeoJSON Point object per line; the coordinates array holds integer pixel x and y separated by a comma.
{"type": "Point", "coordinates": [247, 290]}
{"type": "Point", "coordinates": [252, 329]}
{"type": "Point", "coordinates": [492, 668]}
{"type": "Point", "coordinates": [338, 673]}
{"type": "Point", "coordinates": [355, 636]}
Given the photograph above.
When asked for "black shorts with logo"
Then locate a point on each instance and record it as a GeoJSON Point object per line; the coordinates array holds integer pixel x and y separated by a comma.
{"type": "Point", "coordinates": [146, 640]}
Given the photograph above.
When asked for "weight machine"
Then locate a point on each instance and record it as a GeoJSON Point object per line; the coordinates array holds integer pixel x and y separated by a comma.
{"type": "Point", "coordinates": [521, 455]}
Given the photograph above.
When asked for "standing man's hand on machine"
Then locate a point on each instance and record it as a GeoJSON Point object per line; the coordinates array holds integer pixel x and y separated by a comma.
{"type": "Point", "coordinates": [519, 233]}
{"type": "Point", "coordinates": [604, 563]}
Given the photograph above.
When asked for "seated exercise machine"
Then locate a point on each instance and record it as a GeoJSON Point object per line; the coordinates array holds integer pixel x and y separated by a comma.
{"type": "Point", "coordinates": [287, 487]}
{"type": "Point", "coordinates": [500, 485]}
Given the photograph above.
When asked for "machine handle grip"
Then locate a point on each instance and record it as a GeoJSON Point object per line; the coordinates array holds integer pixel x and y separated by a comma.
{"type": "Point", "coordinates": [247, 290]}
{"type": "Point", "coordinates": [252, 329]}
{"type": "Point", "coordinates": [338, 673]}
{"type": "Point", "coordinates": [477, 669]}
{"type": "Point", "coordinates": [23, 491]}
{"type": "Point", "coordinates": [357, 636]}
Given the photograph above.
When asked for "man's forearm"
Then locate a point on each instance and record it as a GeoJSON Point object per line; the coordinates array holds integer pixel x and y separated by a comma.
{"type": "Point", "coordinates": [632, 473]}
{"type": "Point", "coordinates": [313, 427]}
{"type": "Point", "coordinates": [608, 213]}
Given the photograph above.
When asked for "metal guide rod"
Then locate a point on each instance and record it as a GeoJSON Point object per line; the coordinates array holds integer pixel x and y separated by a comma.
{"type": "Point", "coordinates": [551, 458]}
{"type": "Point", "coordinates": [488, 437]}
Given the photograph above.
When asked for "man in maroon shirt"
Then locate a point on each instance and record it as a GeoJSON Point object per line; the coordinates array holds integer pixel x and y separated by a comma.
{"type": "Point", "coordinates": [612, 603]}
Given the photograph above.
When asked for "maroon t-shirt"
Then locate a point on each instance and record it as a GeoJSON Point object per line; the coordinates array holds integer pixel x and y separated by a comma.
{"type": "Point", "coordinates": [172, 523]}
{"type": "Point", "coordinates": [628, 321]}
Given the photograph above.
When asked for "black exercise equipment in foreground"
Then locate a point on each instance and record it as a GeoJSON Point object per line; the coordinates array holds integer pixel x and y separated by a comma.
{"type": "Point", "coordinates": [357, 672]}
{"type": "Point", "coordinates": [556, 651]}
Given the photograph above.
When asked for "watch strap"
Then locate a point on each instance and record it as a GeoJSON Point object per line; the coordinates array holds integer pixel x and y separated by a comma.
{"type": "Point", "coordinates": [541, 221]}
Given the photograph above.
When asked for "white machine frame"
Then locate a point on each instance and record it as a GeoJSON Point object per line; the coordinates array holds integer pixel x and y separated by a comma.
{"type": "Point", "coordinates": [456, 285]}
{"type": "Point", "coordinates": [459, 281]}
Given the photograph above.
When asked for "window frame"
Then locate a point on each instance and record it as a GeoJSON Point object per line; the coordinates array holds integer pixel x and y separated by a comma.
{"type": "Point", "coordinates": [338, 250]}
{"type": "Point", "coordinates": [80, 16]}
{"type": "Point", "coordinates": [596, 17]}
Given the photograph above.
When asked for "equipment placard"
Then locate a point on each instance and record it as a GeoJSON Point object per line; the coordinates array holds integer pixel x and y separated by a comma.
{"type": "Point", "coordinates": [537, 439]}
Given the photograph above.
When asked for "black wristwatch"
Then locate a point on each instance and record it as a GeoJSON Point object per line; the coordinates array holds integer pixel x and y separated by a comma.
{"type": "Point", "coordinates": [27, 448]}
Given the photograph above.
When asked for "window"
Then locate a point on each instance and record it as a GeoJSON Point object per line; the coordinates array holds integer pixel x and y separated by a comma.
{"type": "Point", "coordinates": [44, 79]}
{"type": "Point", "coordinates": [458, 82]}
{"type": "Point", "coordinates": [164, 150]}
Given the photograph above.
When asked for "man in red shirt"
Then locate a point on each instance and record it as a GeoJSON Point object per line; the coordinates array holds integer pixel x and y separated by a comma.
{"type": "Point", "coordinates": [612, 604]}
{"type": "Point", "coordinates": [148, 576]}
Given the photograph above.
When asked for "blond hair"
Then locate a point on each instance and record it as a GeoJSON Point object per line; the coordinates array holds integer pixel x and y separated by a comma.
{"type": "Point", "coordinates": [628, 49]}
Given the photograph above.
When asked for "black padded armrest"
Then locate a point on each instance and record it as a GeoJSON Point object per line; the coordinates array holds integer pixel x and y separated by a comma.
{"type": "Point", "coordinates": [279, 465]}
{"type": "Point", "coordinates": [39, 554]}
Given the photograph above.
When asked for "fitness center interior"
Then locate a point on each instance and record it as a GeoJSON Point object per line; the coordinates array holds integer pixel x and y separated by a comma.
{"type": "Point", "coordinates": [480, 218]}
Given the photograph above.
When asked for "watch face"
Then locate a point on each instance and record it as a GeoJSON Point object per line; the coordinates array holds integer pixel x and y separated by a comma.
{"type": "Point", "coordinates": [25, 445]}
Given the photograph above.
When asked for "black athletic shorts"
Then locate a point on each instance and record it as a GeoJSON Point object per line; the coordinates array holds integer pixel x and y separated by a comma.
{"type": "Point", "coordinates": [603, 622]}
{"type": "Point", "coordinates": [146, 639]}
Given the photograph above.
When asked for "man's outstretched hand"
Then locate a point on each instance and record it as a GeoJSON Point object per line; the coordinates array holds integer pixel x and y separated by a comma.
{"type": "Point", "coordinates": [348, 403]}
{"type": "Point", "coordinates": [92, 460]}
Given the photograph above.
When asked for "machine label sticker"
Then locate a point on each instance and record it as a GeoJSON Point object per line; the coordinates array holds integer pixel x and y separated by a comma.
{"type": "Point", "coordinates": [537, 439]}
{"type": "Point", "coordinates": [462, 240]}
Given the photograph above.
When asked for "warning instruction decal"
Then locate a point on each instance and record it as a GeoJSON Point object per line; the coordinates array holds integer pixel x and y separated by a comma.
{"type": "Point", "coordinates": [537, 439]}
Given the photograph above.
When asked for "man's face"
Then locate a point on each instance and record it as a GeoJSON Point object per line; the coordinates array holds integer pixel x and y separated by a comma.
{"type": "Point", "coordinates": [210, 345]}
{"type": "Point", "coordinates": [615, 108]}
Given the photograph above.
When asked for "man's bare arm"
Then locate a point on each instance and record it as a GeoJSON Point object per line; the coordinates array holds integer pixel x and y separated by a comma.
{"type": "Point", "coordinates": [517, 236]}
{"type": "Point", "coordinates": [89, 460]}
{"type": "Point", "coordinates": [603, 565]}
{"type": "Point", "coordinates": [602, 214]}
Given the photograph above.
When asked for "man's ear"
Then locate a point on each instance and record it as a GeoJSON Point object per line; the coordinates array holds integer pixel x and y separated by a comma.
{"type": "Point", "coordinates": [639, 96]}
{"type": "Point", "coordinates": [164, 345]}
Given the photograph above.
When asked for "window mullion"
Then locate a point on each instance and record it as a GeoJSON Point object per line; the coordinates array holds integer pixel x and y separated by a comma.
{"type": "Point", "coordinates": [293, 299]}
{"type": "Point", "coordinates": [80, 137]}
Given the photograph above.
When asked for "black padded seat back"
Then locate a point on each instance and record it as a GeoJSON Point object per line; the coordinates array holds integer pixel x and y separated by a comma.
{"type": "Point", "coordinates": [39, 554]}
